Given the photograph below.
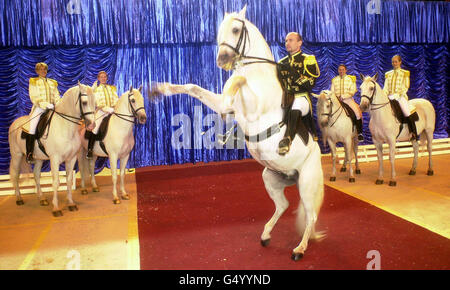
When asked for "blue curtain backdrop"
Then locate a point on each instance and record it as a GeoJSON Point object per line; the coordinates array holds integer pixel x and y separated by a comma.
{"type": "Point", "coordinates": [145, 41]}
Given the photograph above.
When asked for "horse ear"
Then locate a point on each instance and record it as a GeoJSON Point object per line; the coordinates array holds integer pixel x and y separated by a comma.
{"type": "Point", "coordinates": [131, 88]}
{"type": "Point", "coordinates": [242, 12]}
{"type": "Point", "coordinates": [140, 88]}
{"type": "Point", "coordinates": [375, 77]}
{"type": "Point", "coordinates": [361, 76]}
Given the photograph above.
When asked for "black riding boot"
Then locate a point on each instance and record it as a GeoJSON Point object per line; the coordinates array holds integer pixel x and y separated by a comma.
{"type": "Point", "coordinates": [30, 148]}
{"type": "Point", "coordinates": [412, 128]}
{"type": "Point", "coordinates": [359, 129]}
{"type": "Point", "coordinates": [291, 130]}
{"type": "Point", "coordinates": [91, 143]}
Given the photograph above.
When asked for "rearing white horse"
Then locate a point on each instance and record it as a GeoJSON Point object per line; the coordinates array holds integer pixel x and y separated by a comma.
{"type": "Point", "coordinates": [254, 94]}
{"type": "Point", "coordinates": [384, 126]}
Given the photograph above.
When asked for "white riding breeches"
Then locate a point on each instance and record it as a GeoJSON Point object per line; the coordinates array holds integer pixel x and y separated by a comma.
{"type": "Point", "coordinates": [301, 104]}
{"type": "Point", "coordinates": [99, 116]}
{"type": "Point", "coordinates": [34, 119]}
{"type": "Point", "coordinates": [403, 103]}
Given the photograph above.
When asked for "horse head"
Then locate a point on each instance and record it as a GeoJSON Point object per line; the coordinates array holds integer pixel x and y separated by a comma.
{"type": "Point", "coordinates": [324, 107]}
{"type": "Point", "coordinates": [232, 39]}
{"type": "Point", "coordinates": [368, 90]}
{"type": "Point", "coordinates": [136, 104]}
{"type": "Point", "coordinates": [84, 104]}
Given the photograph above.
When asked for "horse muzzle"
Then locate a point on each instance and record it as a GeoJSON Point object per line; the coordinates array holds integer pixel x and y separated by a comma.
{"type": "Point", "coordinates": [142, 118]}
{"type": "Point", "coordinates": [225, 59]}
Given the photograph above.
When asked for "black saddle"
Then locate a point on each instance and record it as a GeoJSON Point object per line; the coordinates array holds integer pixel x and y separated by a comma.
{"type": "Point", "coordinates": [42, 126]}
{"type": "Point", "coordinates": [349, 112]}
{"type": "Point", "coordinates": [305, 125]}
{"type": "Point", "coordinates": [102, 131]}
{"type": "Point", "coordinates": [398, 113]}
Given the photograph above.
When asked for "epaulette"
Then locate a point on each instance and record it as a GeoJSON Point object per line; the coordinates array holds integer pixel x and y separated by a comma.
{"type": "Point", "coordinates": [53, 81]}
{"type": "Point", "coordinates": [388, 73]}
{"type": "Point", "coordinates": [311, 60]}
{"type": "Point", "coordinates": [406, 72]}
{"type": "Point", "coordinates": [353, 78]}
{"type": "Point", "coordinates": [33, 81]}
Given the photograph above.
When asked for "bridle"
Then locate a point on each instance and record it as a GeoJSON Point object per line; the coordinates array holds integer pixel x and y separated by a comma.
{"type": "Point", "coordinates": [379, 106]}
{"type": "Point", "coordinates": [331, 114]}
{"type": "Point", "coordinates": [240, 47]}
{"type": "Point", "coordinates": [134, 112]}
{"type": "Point", "coordinates": [82, 113]}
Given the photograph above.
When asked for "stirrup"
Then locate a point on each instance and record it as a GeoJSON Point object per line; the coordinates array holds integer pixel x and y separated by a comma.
{"type": "Point", "coordinates": [284, 146]}
{"type": "Point", "coordinates": [29, 158]}
{"type": "Point", "coordinates": [360, 138]}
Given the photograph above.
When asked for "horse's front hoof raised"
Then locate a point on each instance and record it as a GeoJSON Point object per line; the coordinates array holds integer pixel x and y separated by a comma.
{"type": "Point", "coordinates": [333, 178]}
{"type": "Point", "coordinates": [95, 189]}
{"type": "Point", "coordinates": [343, 169]}
{"type": "Point", "coordinates": [392, 183]}
{"type": "Point", "coordinates": [73, 207]}
{"type": "Point", "coordinates": [20, 202]}
{"type": "Point", "coordinates": [379, 181]}
{"type": "Point", "coordinates": [296, 256]}
{"type": "Point", "coordinates": [412, 172]}
{"type": "Point", "coordinates": [430, 172]}
{"type": "Point", "coordinates": [116, 201]}
{"type": "Point", "coordinates": [265, 243]}
{"type": "Point", "coordinates": [43, 202]}
{"type": "Point", "coordinates": [84, 192]}
{"type": "Point", "coordinates": [358, 171]}
{"type": "Point", "coordinates": [57, 213]}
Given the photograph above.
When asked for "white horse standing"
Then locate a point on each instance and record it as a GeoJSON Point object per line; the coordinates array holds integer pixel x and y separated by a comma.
{"type": "Point", "coordinates": [336, 126]}
{"type": "Point", "coordinates": [119, 141]}
{"type": "Point", "coordinates": [254, 94]}
{"type": "Point", "coordinates": [384, 126]}
{"type": "Point", "coordinates": [62, 143]}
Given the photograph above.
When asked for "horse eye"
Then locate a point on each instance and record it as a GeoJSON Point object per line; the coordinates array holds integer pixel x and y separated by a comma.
{"type": "Point", "coordinates": [133, 101]}
{"type": "Point", "coordinates": [235, 30]}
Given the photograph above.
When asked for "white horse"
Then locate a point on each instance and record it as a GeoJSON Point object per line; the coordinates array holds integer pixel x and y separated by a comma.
{"type": "Point", "coordinates": [61, 144]}
{"type": "Point", "coordinates": [336, 126]}
{"type": "Point", "coordinates": [119, 141]}
{"type": "Point", "coordinates": [254, 94]}
{"type": "Point", "coordinates": [384, 126]}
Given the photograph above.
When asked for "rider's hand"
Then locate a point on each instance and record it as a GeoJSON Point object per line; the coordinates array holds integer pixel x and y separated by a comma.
{"type": "Point", "coordinates": [108, 110]}
{"type": "Point", "coordinates": [50, 106]}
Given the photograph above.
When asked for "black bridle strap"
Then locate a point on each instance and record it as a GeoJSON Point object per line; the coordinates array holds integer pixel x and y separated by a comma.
{"type": "Point", "coordinates": [133, 111]}
{"type": "Point", "coordinates": [371, 99]}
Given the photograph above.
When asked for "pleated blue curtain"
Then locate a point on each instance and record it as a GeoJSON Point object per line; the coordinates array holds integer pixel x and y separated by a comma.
{"type": "Point", "coordinates": [140, 42]}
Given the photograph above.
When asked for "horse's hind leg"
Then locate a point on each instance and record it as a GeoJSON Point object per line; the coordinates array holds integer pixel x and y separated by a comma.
{"type": "Point", "coordinates": [69, 175]}
{"type": "Point", "coordinates": [415, 146]}
{"type": "Point", "coordinates": [92, 173]}
{"type": "Point", "coordinates": [123, 165]}
{"type": "Point", "coordinates": [355, 150]}
{"type": "Point", "coordinates": [14, 173]}
{"type": "Point", "coordinates": [348, 156]}
{"type": "Point", "coordinates": [429, 134]}
{"type": "Point", "coordinates": [275, 184]}
{"type": "Point", "coordinates": [37, 179]}
{"type": "Point", "coordinates": [54, 164]}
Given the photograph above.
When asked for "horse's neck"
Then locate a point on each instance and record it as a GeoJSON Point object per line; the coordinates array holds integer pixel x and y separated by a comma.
{"type": "Point", "coordinates": [381, 112]}
{"type": "Point", "coordinates": [67, 107]}
{"type": "Point", "coordinates": [263, 92]}
{"type": "Point", "coordinates": [119, 124]}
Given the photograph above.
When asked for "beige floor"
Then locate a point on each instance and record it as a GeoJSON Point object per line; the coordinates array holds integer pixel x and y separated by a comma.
{"type": "Point", "coordinates": [421, 199]}
{"type": "Point", "coordinates": [100, 235]}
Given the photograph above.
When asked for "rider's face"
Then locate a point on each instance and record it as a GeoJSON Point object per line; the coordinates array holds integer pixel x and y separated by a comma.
{"type": "Point", "coordinates": [41, 71]}
{"type": "Point", "coordinates": [396, 63]}
{"type": "Point", "coordinates": [293, 44]}
{"type": "Point", "coordinates": [103, 78]}
{"type": "Point", "coordinates": [342, 70]}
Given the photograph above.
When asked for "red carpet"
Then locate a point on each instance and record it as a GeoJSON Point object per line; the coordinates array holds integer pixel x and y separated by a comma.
{"type": "Point", "coordinates": [211, 216]}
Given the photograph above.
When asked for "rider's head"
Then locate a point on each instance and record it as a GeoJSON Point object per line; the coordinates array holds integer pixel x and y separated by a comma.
{"type": "Point", "coordinates": [41, 69]}
{"type": "Point", "coordinates": [293, 42]}
{"type": "Point", "coordinates": [342, 70]}
{"type": "Point", "coordinates": [396, 61]}
{"type": "Point", "coordinates": [102, 77]}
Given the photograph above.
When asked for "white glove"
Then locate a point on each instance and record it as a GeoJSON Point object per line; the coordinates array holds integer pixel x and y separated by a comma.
{"type": "Point", "coordinates": [50, 106]}
{"type": "Point", "coordinates": [108, 110]}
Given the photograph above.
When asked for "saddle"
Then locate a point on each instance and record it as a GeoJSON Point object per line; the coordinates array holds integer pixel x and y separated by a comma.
{"type": "Point", "coordinates": [42, 127]}
{"type": "Point", "coordinates": [349, 112]}
{"type": "Point", "coordinates": [398, 113]}
{"type": "Point", "coordinates": [305, 125]}
{"type": "Point", "coordinates": [102, 131]}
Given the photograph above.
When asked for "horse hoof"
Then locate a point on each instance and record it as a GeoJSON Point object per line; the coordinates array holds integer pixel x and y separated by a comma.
{"type": "Point", "coordinates": [57, 213]}
{"type": "Point", "coordinates": [125, 197]}
{"type": "Point", "coordinates": [351, 179]}
{"type": "Point", "coordinates": [73, 207]}
{"type": "Point", "coordinates": [296, 256]}
{"type": "Point", "coordinates": [116, 201]}
{"type": "Point", "coordinates": [430, 172]}
{"type": "Point", "coordinates": [20, 202]}
{"type": "Point", "coordinates": [379, 181]}
{"type": "Point", "coordinates": [84, 192]}
{"type": "Point", "coordinates": [343, 169]}
{"type": "Point", "coordinates": [43, 202]}
{"type": "Point", "coordinates": [392, 183]}
{"type": "Point", "coordinates": [265, 243]}
{"type": "Point", "coordinates": [358, 171]}
{"type": "Point", "coordinates": [95, 189]}
{"type": "Point", "coordinates": [333, 178]}
{"type": "Point", "coordinates": [412, 172]}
